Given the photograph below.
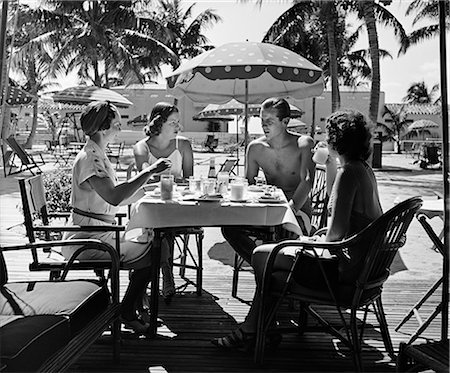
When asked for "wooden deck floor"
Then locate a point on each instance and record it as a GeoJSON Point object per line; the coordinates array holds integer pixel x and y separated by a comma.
{"type": "Point", "coordinates": [183, 342]}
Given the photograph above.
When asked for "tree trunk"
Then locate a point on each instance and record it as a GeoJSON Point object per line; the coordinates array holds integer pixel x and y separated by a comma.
{"type": "Point", "coordinates": [33, 84]}
{"type": "Point", "coordinates": [335, 96]}
{"type": "Point", "coordinates": [369, 17]}
{"type": "Point", "coordinates": [106, 74]}
{"type": "Point", "coordinates": [97, 79]}
{"type": "Point", "coordinates": [399, 147]}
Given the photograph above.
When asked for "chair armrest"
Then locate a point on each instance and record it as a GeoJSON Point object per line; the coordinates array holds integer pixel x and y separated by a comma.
{"type": "Point", "coordinates": [92, 243]}
{"type": "Point", "coordinates": [321, 232]}
{"type": "Point", "coordinates": [80, 228]}
{"type": "Point", "coordinates": [333, 247]}
{"type": "Point", "coordinates": [60, 214]}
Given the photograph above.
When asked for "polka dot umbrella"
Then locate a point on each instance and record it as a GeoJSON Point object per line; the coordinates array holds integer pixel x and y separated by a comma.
{"type": "Point", "coordinates": [234, 107]}
{"type": "Point", "coordinates": [249, 72]}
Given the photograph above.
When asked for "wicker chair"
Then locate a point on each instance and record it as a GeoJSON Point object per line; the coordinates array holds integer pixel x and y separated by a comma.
{"type": "Point", "coordinates": [381, 240]}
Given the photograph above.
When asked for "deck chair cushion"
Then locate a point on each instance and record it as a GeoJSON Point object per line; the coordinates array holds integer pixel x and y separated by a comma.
{"type": "Point", "coordinates": [80, 300]}
{"type": "Point", "coordinates": [31, 339]}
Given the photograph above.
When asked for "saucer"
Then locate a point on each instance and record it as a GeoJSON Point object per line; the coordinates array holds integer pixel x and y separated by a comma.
{"type": "Point", "coordinates": [270, 200]}
{"type": "Point", "coordinates": [209, 198]}
{"type": "Point", "coordinates": [255, 188]}
{"type": "Point", "coordinates": [239, 200]}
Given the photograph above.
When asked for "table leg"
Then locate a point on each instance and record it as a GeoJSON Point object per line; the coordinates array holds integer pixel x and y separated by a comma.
{"type": "Point", "coordinates": [154, 297]}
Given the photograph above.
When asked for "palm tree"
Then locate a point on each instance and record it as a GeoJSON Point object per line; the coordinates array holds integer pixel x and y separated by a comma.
{"type": "Point", "coordinates": [175, 29]}
{"type": "Point", "coordinates": [418, 93]}
{"type": "Point", "coordinates": [424, 10]}
{"type": "Point", "coordinates": [30, 59]}
{"type": "Point", "coordinates": [304, 30]}
{"type": "Point", "coordinates": [396, 124]}
{"type": "Point", "coordinates": [311, 28]}
{"type": "Point", "coordinates": [100, 37]}
{"type": "Point", "coordinates": [373, 12]}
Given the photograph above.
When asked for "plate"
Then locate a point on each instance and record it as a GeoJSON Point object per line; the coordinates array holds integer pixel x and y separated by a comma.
{"type": "Point", "coordinates": [270, 200]}
{"type": "Point", "coordinates": [150, 187]}
{"type": "Point", "coordinates": [210, 198]}
{"type": "Point", "coordinates": [254, 188]}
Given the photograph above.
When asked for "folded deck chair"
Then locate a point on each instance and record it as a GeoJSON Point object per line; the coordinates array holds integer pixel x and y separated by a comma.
{"type": "Point", "coordinates": [27, 161]}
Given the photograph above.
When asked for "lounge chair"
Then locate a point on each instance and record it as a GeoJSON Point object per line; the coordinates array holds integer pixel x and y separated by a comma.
{"type": "Point", "coordinates": [228, 166]}
{"type": "Point", "coordinates": [27, 162]}
{"type": "Point", "coordinates": [115, 152]}
{"type": "Point", "coordinates": [211, 143]}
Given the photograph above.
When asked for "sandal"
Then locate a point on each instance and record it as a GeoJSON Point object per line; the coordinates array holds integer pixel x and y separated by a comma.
{"type": "Point", "coordinates": [238, 340]}
{"type": "Point", "coordinates": [245, 341]}
{"type": "Point", "coordinates": [138, 325]}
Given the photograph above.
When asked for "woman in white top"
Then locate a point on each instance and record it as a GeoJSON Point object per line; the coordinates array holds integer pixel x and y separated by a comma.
{"type": "Point", "coordinates": [96, 194]}
{"type": "Point", "coordinates": [162, 141]}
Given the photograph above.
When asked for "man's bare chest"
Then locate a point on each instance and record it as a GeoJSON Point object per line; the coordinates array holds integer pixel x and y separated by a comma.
{"type": "Point", "coordinates": [286, 161]}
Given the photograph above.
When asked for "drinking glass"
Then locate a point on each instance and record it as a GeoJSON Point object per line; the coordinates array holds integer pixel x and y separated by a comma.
{"type": "Point", "coordinates": [222, 182]}
{"type": "Point", "coordinates": [208, 186]}
{"type": "Point", "coordinates": [195, 185]}
{"type": "Point", "coordinates": [167, 182]}
{"type": "Point", "coordinates": [260, 181]}
{"type": "Point", "coordinates": [320, 155]}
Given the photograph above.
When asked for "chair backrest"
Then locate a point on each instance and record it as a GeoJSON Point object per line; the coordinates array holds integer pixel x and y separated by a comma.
{"type": "Point", "coordinates": [131, 170]}
{"type": "Point", "coordinates": [17, 148]}
{"type": "Point", "coordinates": [34, 204]}
{"type": "Point", "coordinates": [115, 150]}
{"type": "Point", "coordinates": [211, 142]}
{"type": "Point", "coordinates": [383, 238]}
{"type": "Point", "coordinates": [229, 165]}
{"type": "Point", "coordinates": [319, 199]}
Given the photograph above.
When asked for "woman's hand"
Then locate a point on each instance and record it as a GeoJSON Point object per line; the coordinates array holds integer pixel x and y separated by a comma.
{"type": "Point", "coordinates": [160, 165]}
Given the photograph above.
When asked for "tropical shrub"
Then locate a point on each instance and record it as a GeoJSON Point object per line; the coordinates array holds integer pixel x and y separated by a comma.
{"type": "Point", "coordinates": [58, 186]}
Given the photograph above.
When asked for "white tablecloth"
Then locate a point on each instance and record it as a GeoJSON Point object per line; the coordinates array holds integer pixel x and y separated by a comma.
{"type": "Point", "coordinates": [150, 212]}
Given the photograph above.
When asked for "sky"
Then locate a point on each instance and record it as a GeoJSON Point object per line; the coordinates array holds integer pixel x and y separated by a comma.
{"type": "Point", "coordinates": [245, 20]}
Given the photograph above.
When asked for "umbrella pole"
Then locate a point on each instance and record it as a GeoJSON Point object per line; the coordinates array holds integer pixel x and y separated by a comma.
{"type": "Point", "coordinates": [445, 168]}
{"type": "Point", "coordinates": [237, 141]}
{"type": "Point", "coordinates": [246, 122]}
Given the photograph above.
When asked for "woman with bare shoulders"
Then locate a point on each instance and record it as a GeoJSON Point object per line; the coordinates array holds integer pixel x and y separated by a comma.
{"type": "Point", "coordinates": [354, 204]}
{"type": "Point", "coordinates": [163, 141]}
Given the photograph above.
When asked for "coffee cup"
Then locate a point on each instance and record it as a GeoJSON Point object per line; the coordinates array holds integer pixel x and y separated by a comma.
{"type": "Point", "coordinates": [237, 191]}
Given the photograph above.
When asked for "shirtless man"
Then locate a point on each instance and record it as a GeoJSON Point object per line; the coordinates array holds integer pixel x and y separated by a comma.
{"type": "Point", "coordinates": [286, 160]}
